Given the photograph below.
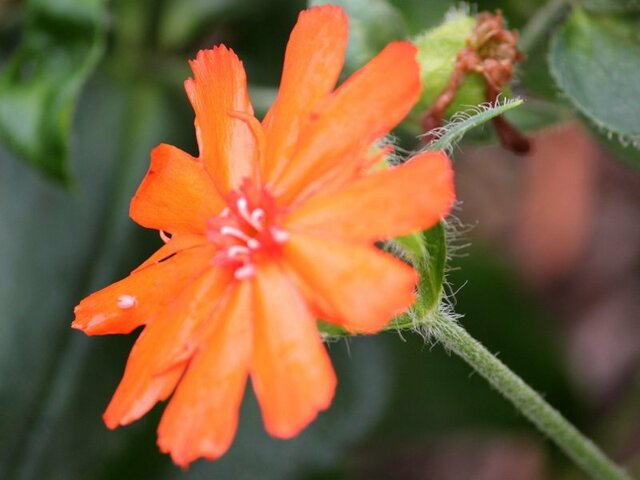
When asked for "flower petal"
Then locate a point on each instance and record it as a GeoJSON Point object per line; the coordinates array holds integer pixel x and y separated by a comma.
{"type": "Point", "coordinates": [357, 287]}
{"type": "Point", "coordinates": [141, 297]}
{"type": "Point", "coordinates": [163, 348]}
{"type": "Point", "coordinates": [385, 204]}
{"type": "Point", "coordinates": [177, 243]}
{"type": "Point", "coordinates": [202, 416]}
{"type": "Point", "coordinates": [218, 93]}
{"type": "Point", "coordinates": [312, 64]}
{"type": "Point", "coordinates": [177, 195]}
{"type": "Point", "coordinates": [363, 109]}
{"type": "Point", "coordinates": [291, 372]}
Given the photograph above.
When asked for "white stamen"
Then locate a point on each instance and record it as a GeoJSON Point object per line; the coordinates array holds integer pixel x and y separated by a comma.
{"type": "Point", "coordinates": [253, 244]}
{"type": "Point", "coordinates": [243, 209]}
{"type": "Point", "coordinates": [234, 232]}
{"type": "Point", "coordinates": [257, 218]}
{"type": "Point", "coordinates": [225, 212]}
{"type": "Point", "coordinates": [245, 271]}
{"type": "Point", "coordinates": [253, 218]}
{"type": "Point", "coordinates": [125, 302]}
{"type": "Point", "coordinates": [279, 235]}
{"type": "Point", "coordinates": [236, 250]}
{"type": "Point", "coordinates": [163, 235]}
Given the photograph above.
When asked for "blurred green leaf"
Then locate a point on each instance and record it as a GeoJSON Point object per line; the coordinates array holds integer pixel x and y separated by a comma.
{"type": "Point", "coordinates": [535, 39]}
{"type": "Point", "coordinates": [537, 114]}
{"type": "Point", "coordinates": [63, 41]}
{"type": "Point", "coordinates": [183, 20]}
{"type": "Point", "coordinates": [612, 6]}
{"type": "Point", "coordinates": [420, 15]}
{"type": "Point", "coordinates": [595, 61]}
{"type": "Point", "coordinates": [372, 25]}
{"type": "Point", "coordinates": [624, 153]}
{"type": "Point", "coordinates": [60, 246]}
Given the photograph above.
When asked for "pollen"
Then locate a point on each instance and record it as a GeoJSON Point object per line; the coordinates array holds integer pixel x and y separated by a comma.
{"type": "Point", "coordinates": [125, 302]}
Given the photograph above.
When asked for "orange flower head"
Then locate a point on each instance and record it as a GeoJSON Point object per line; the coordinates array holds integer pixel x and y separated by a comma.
{"type": "Point", "coordinates": [271, 227]}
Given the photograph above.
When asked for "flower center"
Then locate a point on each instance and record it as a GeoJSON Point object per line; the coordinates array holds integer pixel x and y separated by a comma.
{"type": "Point", "coordinates": [245, 230]}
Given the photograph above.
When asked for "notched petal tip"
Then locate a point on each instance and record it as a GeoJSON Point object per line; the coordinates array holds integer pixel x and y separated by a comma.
{"type": "Point", "coordinates": [328, 11]}
{"type": "Point", "coordinates": [214, 57]}
{"type": "Point", "coordinates": [183, 459]}
{"type": "Point", "coordinates": [204, 54]}
{"type": "Point", "coordinates": [289, 430]}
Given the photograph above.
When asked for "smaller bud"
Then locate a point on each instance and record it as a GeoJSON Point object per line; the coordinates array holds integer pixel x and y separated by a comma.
{"type": "Point", "coordinates": [437, 54]}
{"type": "Point", "coordinates": [465, 62]}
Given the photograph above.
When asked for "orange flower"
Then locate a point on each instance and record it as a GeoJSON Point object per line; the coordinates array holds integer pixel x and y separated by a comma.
{"type": "Point", "coordinates": [270, 228]}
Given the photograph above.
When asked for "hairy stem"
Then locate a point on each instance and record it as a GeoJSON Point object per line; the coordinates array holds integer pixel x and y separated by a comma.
{"type": "Point", "coordinates": [579, 448]}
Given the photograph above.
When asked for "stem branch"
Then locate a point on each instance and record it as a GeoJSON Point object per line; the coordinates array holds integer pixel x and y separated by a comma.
{"type": "Point", "coordinates": [579, 448]}
{"type": "Point", "coordinates": [537, 29]}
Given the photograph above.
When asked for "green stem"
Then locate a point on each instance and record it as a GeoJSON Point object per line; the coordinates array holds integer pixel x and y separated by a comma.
{"type": "Point", "coordinates": [538, 27]}
{"type": "Point", "coordinates": [579, 448]}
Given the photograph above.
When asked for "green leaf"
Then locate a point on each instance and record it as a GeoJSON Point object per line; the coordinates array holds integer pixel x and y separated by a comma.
{"type": "Point", "coordinates": [63, 41]}
{"type": "Point", "coordinates": [420, 15]}
{"type": "Point", "coordinates": [372, 25]}
{"type": "Point", "coordinates": [62, 246]}
{"type": "Point", "coordinates": [624, 153]}
{"type": "Point", "coordinates": [595, 61]}
{"type": "Point", "coordinates": [463, 122]}
{"type": "Point", "coordinates": [611, 6]}
{"type": "Point", "coordinates": [182, 21]}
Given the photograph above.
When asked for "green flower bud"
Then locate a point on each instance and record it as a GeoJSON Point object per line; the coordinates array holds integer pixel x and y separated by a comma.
{"type": "Point", "coordinates": [437, 51]}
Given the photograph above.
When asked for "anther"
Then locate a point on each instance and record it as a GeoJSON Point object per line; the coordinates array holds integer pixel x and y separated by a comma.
{"type": "Point", "coordinates": [253, 218]}
{"type": "Point", "coordinates": [125, 302]}
{"type": "Point", "coordinates": [279, 235]}
{"type": "Point", "coordinates": [243, 208]}
{"type": "Point", "coordinates": [257, 218]}
{"type": "Point", "coordinates": [244, 272]}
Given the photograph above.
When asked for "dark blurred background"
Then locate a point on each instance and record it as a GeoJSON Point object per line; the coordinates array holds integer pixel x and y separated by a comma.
{"type": "Point", "coordinates": [546, 270]}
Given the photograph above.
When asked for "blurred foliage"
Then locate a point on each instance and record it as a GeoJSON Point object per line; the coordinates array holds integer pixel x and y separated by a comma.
{"type": "Point", "coordinates": [58, 245]}
{"type": "Point", "coordinates": [611, 6]}
{"type": "Point", "coordinates": [596, 62]}
{"type": "Point", "coordinates": [372, 25]}
{"type": "Point", "coordinates": [62, 43]}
